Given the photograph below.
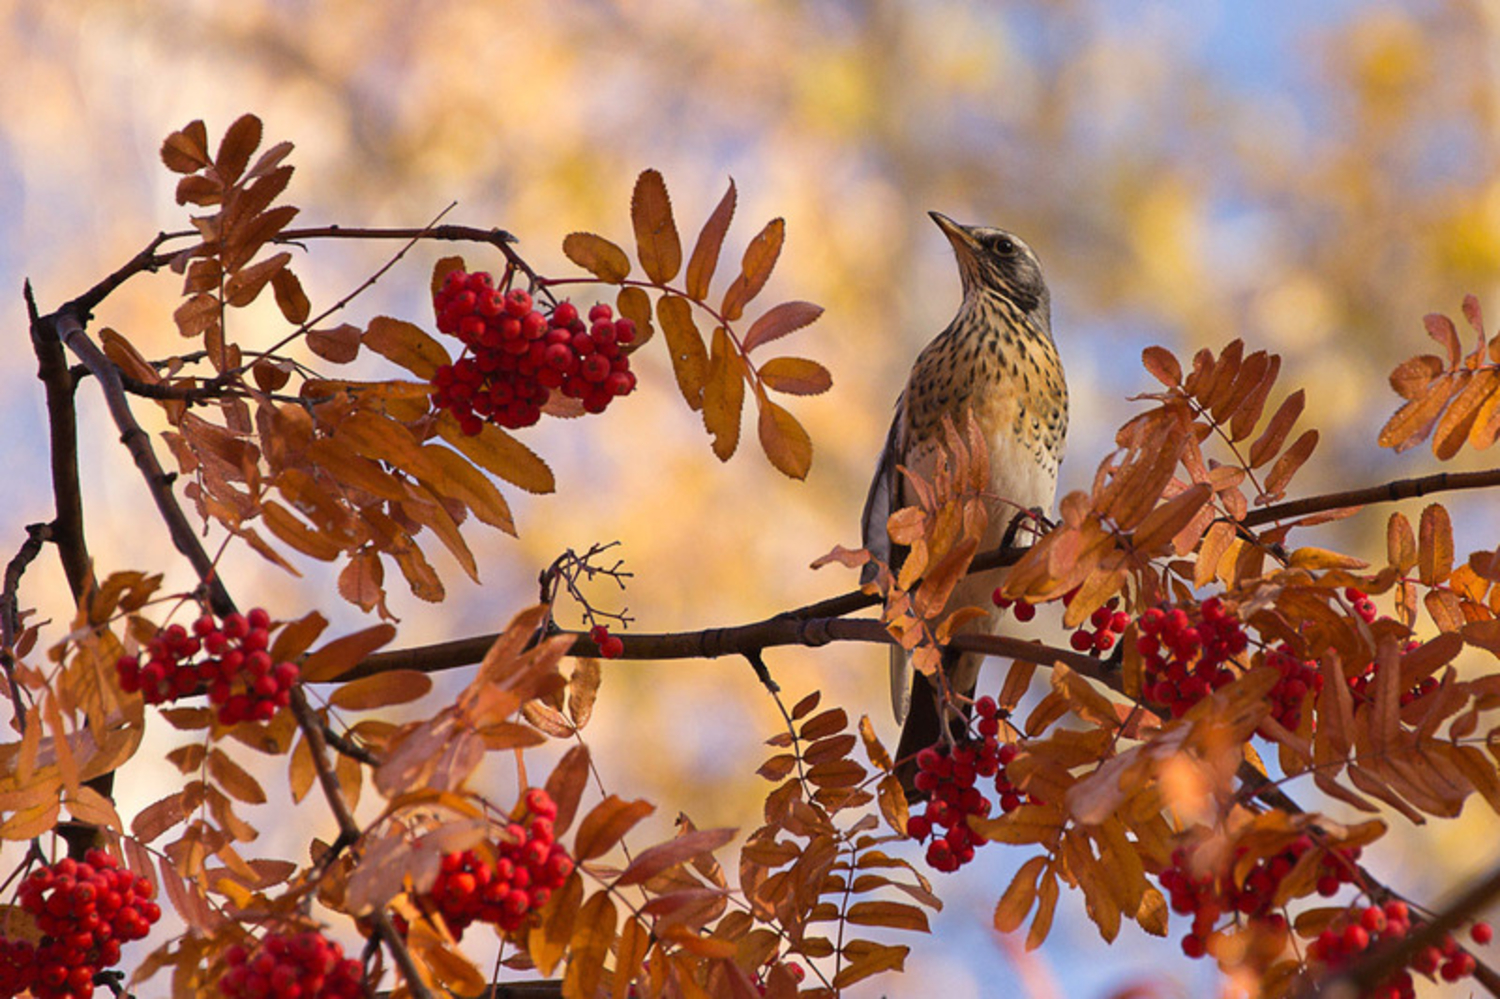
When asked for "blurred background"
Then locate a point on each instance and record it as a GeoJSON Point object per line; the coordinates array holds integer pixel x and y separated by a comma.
{"type": "Point", "coordinates": [1310, 177]}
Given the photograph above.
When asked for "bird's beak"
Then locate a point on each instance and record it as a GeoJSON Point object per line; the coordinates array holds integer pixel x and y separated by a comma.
{"type": "Point", "coordinates": [958, 235]}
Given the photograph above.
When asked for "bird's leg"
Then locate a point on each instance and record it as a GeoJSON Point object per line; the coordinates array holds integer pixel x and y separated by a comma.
{"type": "Point", "coordinates": [1034, 517]}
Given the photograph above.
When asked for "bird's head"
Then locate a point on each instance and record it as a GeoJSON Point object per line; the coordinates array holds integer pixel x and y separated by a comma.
{"type": "Point", "coordinates": [996, 262]}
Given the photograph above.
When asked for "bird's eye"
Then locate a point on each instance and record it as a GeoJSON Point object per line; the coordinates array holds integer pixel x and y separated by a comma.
{"type": "Point", "coordinates": [1003, 246]}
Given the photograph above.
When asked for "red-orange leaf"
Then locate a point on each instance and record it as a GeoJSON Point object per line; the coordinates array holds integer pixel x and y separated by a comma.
{"type": "Point", "coordinates": [656, 237]}
{"type": "Point", "coordinates": [795, 376]}
{"type": "Point", "coordinates": [778, 321]}
{"type": "Point", "coordinates": [1441, 329]}
{"type": "Point", "coordinates": [342, 654]}
{"type": "Point", "coordinates": [187, 151]}
{"type": "Point", "coordinates": [1286, 466]}
{"type": "Point", "coordinates": [664, 856]}
{"type": "Point", "coordinates": [705, 258]}
{"type": "Point", "coordinates": [784, 440]}
{"type": "Point", "coordinates": [1162, 364]}
{"type": "Point", "coordinates": [339, 345]}
{"type": "Point", "coordinates": [240, 140]}
{"type": "Point", "coordinates": [1269, 442]}
{"type": "Point", "coordinates": [603, 827]}
{"type": "Point", "coordinates": [381, 690]}
{"type": "Point", "coordinates": [598, 256]}
{"type": "Point", "coordinates": [755, 269]}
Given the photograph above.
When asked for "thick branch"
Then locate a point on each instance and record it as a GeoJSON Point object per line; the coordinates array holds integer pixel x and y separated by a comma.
{"type": "Point", "coordinates": [1389, 492]}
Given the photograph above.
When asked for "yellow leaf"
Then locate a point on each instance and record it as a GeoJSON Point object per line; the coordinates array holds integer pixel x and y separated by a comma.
{"type": "Point", "coordinates": [705, 259]}
{"type": "Point", "coordinates": [755, 268]}
{"type": "Point", "coordinates": [891, 915]}
{"type": "Point", "coordinates": [406, 344]}
{"type": "Point", "coordinates": [381, 690]}
{"type": "Point", "coordinates": [724, 395]}
{"type": "Point", "coordinates": [598, 256]}
{"type": "Point", "coordinates": [656, 237]}
{"type": "Point", "coordinates": [784, 440]}
{"type": "Point", "coordinates": [1046, 908]}
{"type": "Point", "coordinates": [684, 346]}
{"type": "Point", "coordinates": [1322, 558]}
{"type": "Point", "coordinates": [498, 453]}
{"type": "Point", "coordinates": [592, 935]}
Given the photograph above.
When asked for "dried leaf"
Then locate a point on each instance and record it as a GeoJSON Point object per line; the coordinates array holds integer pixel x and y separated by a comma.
{"type": "Point", "coordinates": [186, 151]}
{"type": "Point", "coordinates": [593, 934]}
{"type": "Point", "coordinates": [290, 298]}
{"type": "Point", "coordinates": [1441, 329]}
{"type": "Point", "coordinates": [724, 395]}
{"type": "Point", "coordinates": [1411, 424]}
{"type": "Point", "coordinates": [339, 345]}
{"type": "Point", "coordinates": [705, 258]}
{"type": "Point", "coordinates": [1435, 545]}
{"type": "Point", "coordinates": [784, 440]}
{"type": "Point", "coordinates": [604, 826]}
{"type": "Point", "coordinates": [1477, 390]}
{"type": "Point", "coordinates": [406, 344]}
{"type": "Point", "coordinates": [1164, 366]}
{"type": "Point", "coordinates": [665, 856]}
{"type": "Point", "coordinates": [244, 286]}
{"type": "Point", "coordinates": [755, 269]}
{"type": "Point", "coordinates": [598, 256]}
{"type": "Point", "coordinates": [657, 243]}
{"type": "Point", "coordinates": [240, 140]}
{"type": "Point", "coordinates": [566, 783]}
{"type": "Point", "coordinates": [795, 376]}
{"type": "Point", "coordinates": [498, 453]}
{"type": "Point", "coordinates": [337, 657]}
{"type": "Point", "coordinates": [1286, 466]}
{"type": "Point", "coordinates": [685, 346]}
{"type": "Point", "coordinates": [1268, 444]}
{"type": "Point", "coordinates": [381, 690]}
{"type": "Point", "coordinates": [778, 321]}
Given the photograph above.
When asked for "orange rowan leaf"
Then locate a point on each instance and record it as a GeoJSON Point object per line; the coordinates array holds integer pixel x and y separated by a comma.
{"type": "Point", "coordinates": [344, 653]}
{"type": "Point", "coordinates": [784, 440]}
{"type": "Point", "coordinates": [795, 376]}
{"type": "Point", "coordinates": [806, 705]}
{"type": "Point", "coordinates": [547, 940]}
{"type": "Point", "coordinates": [755, 269]}
{"type": "Point", "coordinates": [1247, 379]}
{"type": "Point", "coordinates": [88, 805]}
{"type": "Point", "coordinates": [1435, 545]}
{"type": "Point", "coordinates": [674, 852]}
{"type": "Point", "coordinates": [1400, 543]}
{"type": "Point", "coordinates": [825, 724]}
{"type": "Point", "coordinates": [657, 244]}
{"type": "Point", "coordinates": [1164, 523]}
{"type": "Point", "coordinates": [197, 315]}
{"type": "Point", "coordinates": [1441, 329]}
{"type": "Point", "coordinates": [724, 395]}
{"type": "Point", "coordinates": [1322, 558]}
{"type": "Point", "coordinates": [1249, 412]}
{"type": "Point", "coordinates": [290, 298]}
{"type": "Point", "coordinates": [593, 933]}
{"type": "Point", "coordinates": [565, 785]}
{"type": "Point", "coordinates": [1470, 392]}
{"type": "Point", "coordinates": [498, 453]}
{"type": "Point", "coordinates": [1098, 897]}
{"type": "Point", "coordinates": [240, 140]}
{"type": "Point", "coordinates": [1268, 444]}
{"type": "Point", "coordinates": [361, 582]}
{"type": "Point", "coordinates": [406, 344]}
{"type": "Point", "coordinates": [1411, 424]}
{"type": "Point", "coordinates": [778, 321]}
{"type": "Point", "coordinates": [1046, 908]}
{"type": "Point", "coordinates": [1286, 466]}
{"type": "Point", "coordinates": [1413, 377]}
{"type": "Point", "coordinates": [299, 535]}
{"type": "Point", "coordinates": [381, 690]}
{"type": "Point", "coordinates": [234, 778]}
{"type": "Point", "coordinates": [186, 151]}
{"type": "Point", "coordinates": [339, 345]}
{"type": "Point", "coordinates": [244, 286]}
{"type": "Point", "coordinates": [685, 347]}
{"type": "Point", "coordinates": [891, 915]}
{"type": "Point", "coordinates": [1163, 365]}
{"type": "Point", "coordinates": [242, 243]}
{"type": "Point", "coordinates": [1215, 391]}
{"type": "Point", "coordinates": [465, 483]}
{"type": "Point", "coordinates": [598, 256]}
{"type": "Point", "coordinates": [1015, 904]}
{"type": "Point", "coordinates": [604, 826]}
{"type": "Point", "coordinates": [705, 258]}
{"type": "Point", "coordinates": [31, 821]}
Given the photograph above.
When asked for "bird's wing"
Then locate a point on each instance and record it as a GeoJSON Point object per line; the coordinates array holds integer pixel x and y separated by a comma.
{"type": "Point", "coordinates": [883, 499]}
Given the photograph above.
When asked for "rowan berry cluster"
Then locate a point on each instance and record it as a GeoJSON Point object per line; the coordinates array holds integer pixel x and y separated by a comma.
{"type": "Point", "coordinates": [528, 866]}
{"type": "Point", "coordinates": [1184, 660]}
{"type": "Point", "coordinates": [1105, 626]}
{"type": "Point", "coordinates": [303, 965]}
{"type": "Point", "coordinates": [236, 670]}
{"type": "Point", "coordinates": [948, 778]}
{"type": "Point", "coordinates": [1208, 895]}
{"type": "Point", "coordinates": [1366, 926]}
{"type": "Point", "coordinates": [84, 912]}
{"type": "Point", "coordinates": [515, 356]}
{"type": "Point", "coordinates": [610, 646]}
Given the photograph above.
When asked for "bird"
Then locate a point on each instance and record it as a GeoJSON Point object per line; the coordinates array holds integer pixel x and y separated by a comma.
{"type": "Point", "coordinates": [996, 359]}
